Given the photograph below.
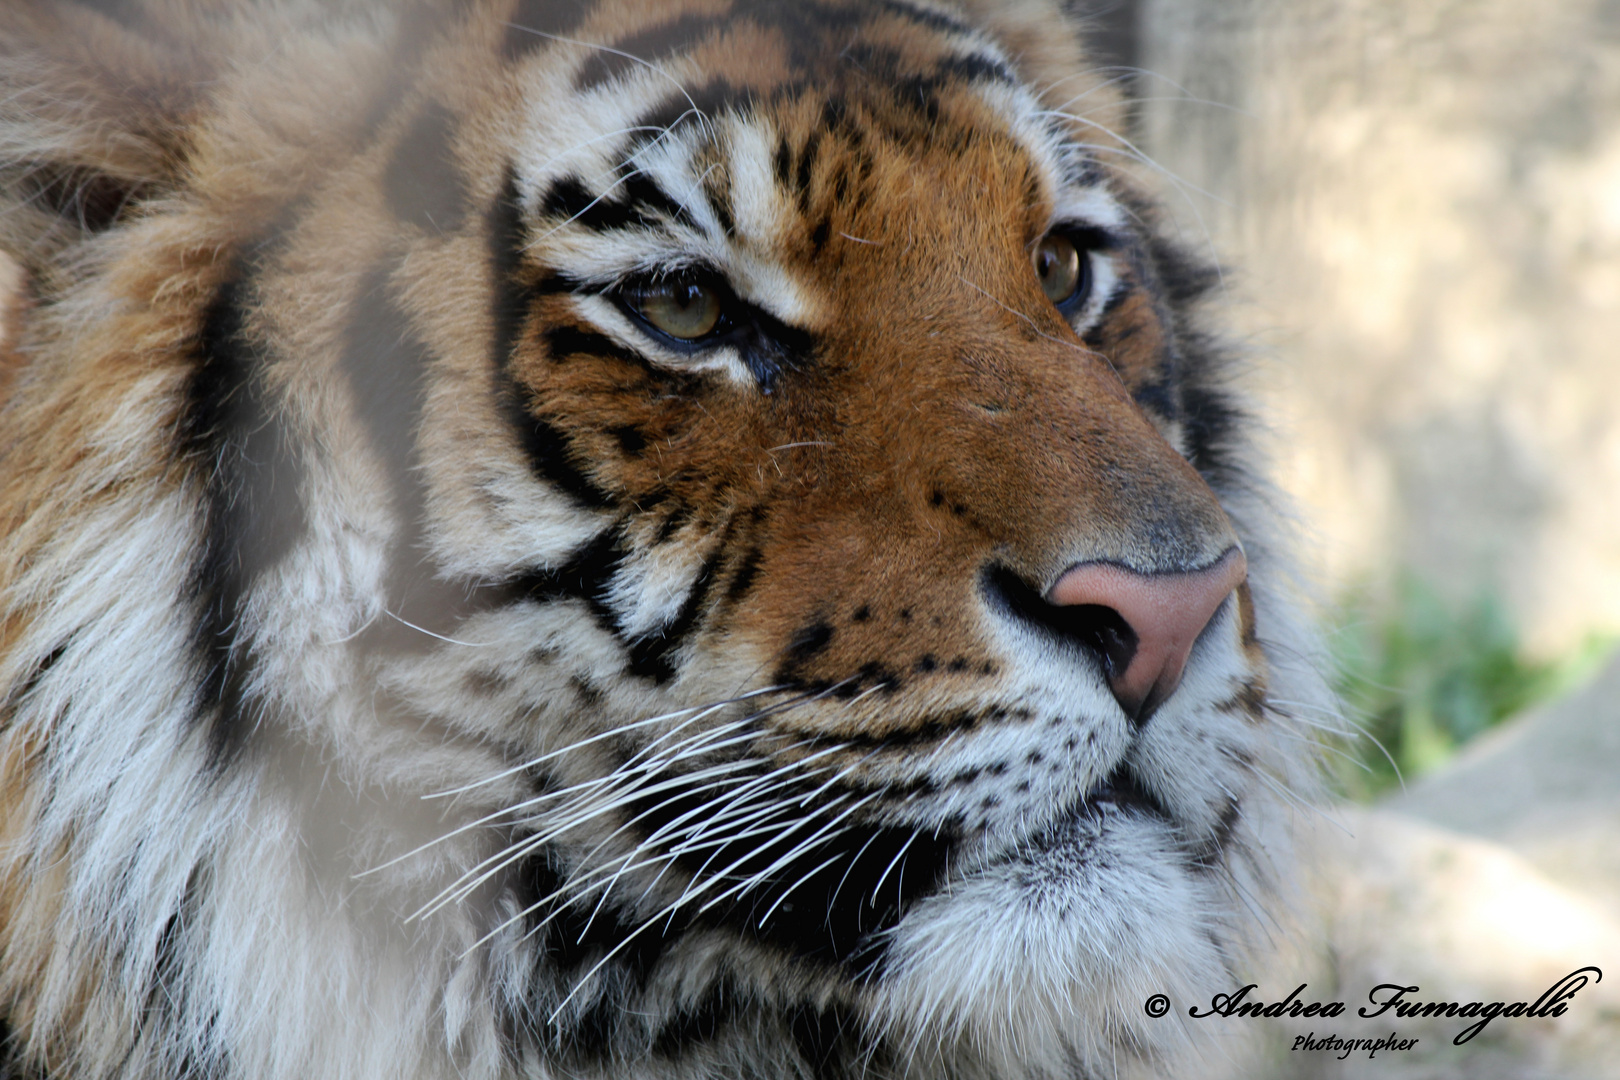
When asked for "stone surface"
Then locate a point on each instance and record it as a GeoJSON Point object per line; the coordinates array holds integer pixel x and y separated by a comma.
{"type": "Point", "coordinates": [1547, 786]}
{"type": "Point", "coordinates": [1402, 901]}
{"type": "Point", "coordinates": [1487, 881]}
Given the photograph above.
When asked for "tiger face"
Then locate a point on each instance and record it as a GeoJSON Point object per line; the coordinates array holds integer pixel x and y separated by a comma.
{"type": "Point", "coordinates": [710, 545]}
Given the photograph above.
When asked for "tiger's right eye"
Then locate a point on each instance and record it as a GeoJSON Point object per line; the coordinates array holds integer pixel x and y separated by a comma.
{"type": "Point", "coordinates": [686, 310]}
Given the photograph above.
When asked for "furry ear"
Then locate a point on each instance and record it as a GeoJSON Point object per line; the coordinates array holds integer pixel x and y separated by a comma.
{"type": "Point", "coordinates": [93, 102]}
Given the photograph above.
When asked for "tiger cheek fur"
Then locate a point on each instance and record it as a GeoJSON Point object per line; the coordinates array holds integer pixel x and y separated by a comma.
{"type": "Point", "coordinates": [553, 538]}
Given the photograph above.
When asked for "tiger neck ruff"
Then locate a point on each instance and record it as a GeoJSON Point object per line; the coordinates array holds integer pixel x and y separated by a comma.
{"type": "Point", "coordinates": [614, 539]}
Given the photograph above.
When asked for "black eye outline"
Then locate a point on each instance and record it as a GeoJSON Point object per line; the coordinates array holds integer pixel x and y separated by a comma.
{"type": "Point", "coordinates": [733, 322]}
{"type": "Point", "coordinates": [1088, 240]}
{"type": "Point", "coordinates": [767, 346]}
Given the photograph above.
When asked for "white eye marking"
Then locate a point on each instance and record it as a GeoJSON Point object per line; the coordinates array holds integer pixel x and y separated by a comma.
{"type": "Point", "coordinates": [1091, 206]}
{"type": "Point", "coordinates": [1105, 284]}
{"type": "Point", "coordinates": [722, 358]}
{"type": "Point", "coordinates": [758, 205]}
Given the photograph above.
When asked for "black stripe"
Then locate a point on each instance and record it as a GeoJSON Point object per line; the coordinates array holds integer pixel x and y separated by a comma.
{"type": "Point", "coordinates": [565, 341]}
{"type": "Point", "coordinates": [720, 202]}
{"type": "Point", "coordinates": [807, 643]}
{"type": "Point", "coordinates": [568, 200]}
{"type": "Point", "coordinates": [1159, 396]}
{"type": "Point", "coordinates": [974, 67]}
{"type": "Point", "coordinates": [1210, 854]}
{"type": "Point", "coordinates": [532, 20]}
{"type": "Point", "coordinates": [555, 283]}
{"type": "Point", "coordinates": [774, 347]}
{"type": "Point", "coordinates": [547, 448]}
{"type": "Point", "coordinates": [234, 432]}
{"type": "Point", "coordinates": [1184, 277]}
{"type": "Point", "coordinates": [925, 732]}
{"type": "Point", "coordinates": [920, 92]}
{"type": "Point", "coordinates": [422, 184]}
{"type": "Point", "coordinates": [807, 164]}
{"type": "Point", "coordinates": [511, 298]}
{"type": "Point", "coordinates": [812, 32]}
{"type": "Point", "coordinates": [742, 580]}
{"type": "Point", "coordinates": [649, 46]}
{"type": "Point", "coordinates": [642, 191]}
{"type": "Point", "coordinates": [551, 453]}
{"type": "Point", "coordinates": [1212, 422]}
{"type": "Point", "coordinates": [782, 162]}
{"type": "Point", "coordinates": [713, 98]}
{"type": "Point", "coordinates": [934, 20]}
{"type": "Point", "coordinates": [585, 576]}
{"type": "Point", "coordinates": [671, 524]}
{"type": "Point", "coordinates": [634, 202]}
{"type": "Point", "coordinates": [1211, 417]}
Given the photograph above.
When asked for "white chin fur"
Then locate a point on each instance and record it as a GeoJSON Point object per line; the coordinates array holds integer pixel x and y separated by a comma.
{"type": "Point", "coordinates": [1040, 965]}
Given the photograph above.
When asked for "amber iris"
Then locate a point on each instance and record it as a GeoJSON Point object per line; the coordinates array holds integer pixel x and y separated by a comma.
{"type": "Point", "coordinates": [1057, 264]}
{"type": "Point", "coordinates": [682, 309]}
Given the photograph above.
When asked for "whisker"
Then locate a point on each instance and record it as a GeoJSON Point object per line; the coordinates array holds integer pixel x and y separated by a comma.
{"type": "Point", "coordinates": [872, 901]}
{"type": "Point", "coordinates": [620, 729]}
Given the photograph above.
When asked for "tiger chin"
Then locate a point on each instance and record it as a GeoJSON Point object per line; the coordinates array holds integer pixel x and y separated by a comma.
{"type": "Point", "coordinates": [593, 538]}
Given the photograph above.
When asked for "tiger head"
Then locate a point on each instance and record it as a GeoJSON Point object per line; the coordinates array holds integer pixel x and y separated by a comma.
{"type": "Point", "coordinates": [710, 524]}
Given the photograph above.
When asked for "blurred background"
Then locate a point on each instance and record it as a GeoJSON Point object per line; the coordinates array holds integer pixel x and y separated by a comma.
{"type": "Point", "coordinates": [1417, 203]}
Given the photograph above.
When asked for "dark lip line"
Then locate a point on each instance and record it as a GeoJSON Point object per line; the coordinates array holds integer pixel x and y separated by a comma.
{"type": "Point", "coordinates": [1119, 789]}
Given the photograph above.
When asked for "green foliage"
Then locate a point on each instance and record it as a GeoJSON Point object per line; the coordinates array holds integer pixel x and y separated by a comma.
{"type": "Point", "coordinates": [1421, 677]}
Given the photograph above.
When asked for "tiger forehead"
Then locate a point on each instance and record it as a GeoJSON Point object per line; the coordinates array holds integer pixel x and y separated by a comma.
{"type": "Point", "coordinates": [786, 40]}
{"type": "Point", "coordinates": [760, 133]}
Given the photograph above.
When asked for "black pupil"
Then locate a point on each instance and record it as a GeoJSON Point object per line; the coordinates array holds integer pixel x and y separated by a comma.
{"type": "Point", "coordinates": [687, 296]}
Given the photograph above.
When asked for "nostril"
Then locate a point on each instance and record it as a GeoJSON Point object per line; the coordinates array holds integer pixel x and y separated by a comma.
{"type": "Point", "coordinates": [1097, 628]}
{"type": "Point", "coordinates": [1165, 613]}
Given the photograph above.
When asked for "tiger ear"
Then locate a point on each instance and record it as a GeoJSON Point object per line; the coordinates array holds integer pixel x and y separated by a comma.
{"type": "Point", "coordinates": [93, 99]}
{"type": "Point", "coordinates": [1046, 45]}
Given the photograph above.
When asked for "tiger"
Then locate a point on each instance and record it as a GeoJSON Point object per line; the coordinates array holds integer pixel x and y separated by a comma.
{"type": "Point", "coordinates": [620, 538]}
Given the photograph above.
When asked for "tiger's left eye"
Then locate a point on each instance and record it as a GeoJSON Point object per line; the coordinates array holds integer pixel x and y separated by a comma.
{"type": "Point", "coordinates": [1059, 266]}
{"type": "Point", "coordinates": [686, 310]}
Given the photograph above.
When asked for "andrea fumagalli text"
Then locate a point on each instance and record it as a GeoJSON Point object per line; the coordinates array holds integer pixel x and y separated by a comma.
{"type": "Point", "coordinates": [1399, 1000]}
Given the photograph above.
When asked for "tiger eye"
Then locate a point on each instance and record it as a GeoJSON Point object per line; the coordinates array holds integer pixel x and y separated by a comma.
{"type": "Point", "coordinates": [681, 309]}
{"type": "Point", "coordinates": [1057, 264]}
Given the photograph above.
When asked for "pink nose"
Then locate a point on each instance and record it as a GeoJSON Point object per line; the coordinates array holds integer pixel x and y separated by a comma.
{"type": "Point", "coordinates": [1165, 612]}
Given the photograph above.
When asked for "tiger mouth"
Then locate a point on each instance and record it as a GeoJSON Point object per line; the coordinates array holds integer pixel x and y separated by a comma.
{"type": "Point", "coordinates": [840, 900]}
{"type": "Point", "coordinates": [1119, 791]}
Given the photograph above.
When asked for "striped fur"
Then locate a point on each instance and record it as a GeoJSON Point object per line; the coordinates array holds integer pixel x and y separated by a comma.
{"type": "Point", "coordinates": [412, 663]}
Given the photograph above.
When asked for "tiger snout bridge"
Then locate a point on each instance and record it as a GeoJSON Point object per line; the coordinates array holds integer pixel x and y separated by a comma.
{"type": "Point", "coordinates": [1161, 614]}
